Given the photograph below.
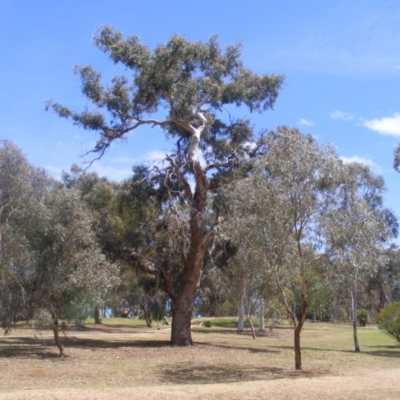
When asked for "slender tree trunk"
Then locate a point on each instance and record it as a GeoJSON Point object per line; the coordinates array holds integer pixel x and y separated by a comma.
{"type": "Point", "coordinates": [57, 337]}
{"type": "Point", "coordinates": [248, 315]}
{"type": "Point", "coordinates": [97, 314]}
{"type": "Point", "coordinates": [298, 322]}
{"type": "Point", "coordinates": [261, 315]}
{"type": "Point", "coordinates": [253, 332]}
{"type": "Point", "coordinates": [297, 348]}
{"type": "Point", "coordinates": [240, 327]}
{"type": "Point", "coordinates": [353, 294]}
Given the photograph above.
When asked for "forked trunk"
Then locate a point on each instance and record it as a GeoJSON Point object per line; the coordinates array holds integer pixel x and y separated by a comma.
{"type": "Point", "coordinates": [57, 337]}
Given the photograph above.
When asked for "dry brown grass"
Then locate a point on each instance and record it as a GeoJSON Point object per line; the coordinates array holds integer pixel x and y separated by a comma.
{"type": "Point", "coordinates": [119, 362]}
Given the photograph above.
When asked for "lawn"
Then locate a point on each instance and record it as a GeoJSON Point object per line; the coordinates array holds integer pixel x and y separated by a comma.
{"type": "Point", "coordinates": [124, 359]}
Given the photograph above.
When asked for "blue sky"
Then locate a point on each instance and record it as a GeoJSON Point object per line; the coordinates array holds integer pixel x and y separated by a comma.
{"type": "Point", "coordinates": [341, 60]}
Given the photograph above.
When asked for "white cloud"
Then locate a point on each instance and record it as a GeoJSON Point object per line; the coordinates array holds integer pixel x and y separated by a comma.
{"type": "Point", "coordinates": [341, 115]}
{"type": "Point", "coordinates": [357, 159]}
{"type": "Point", "coordinates": [151, 156]}
{"type": "Point", "coordinates": [306, 122]}
{"type": "Point", "coordinates": [384, 126]}
{"type": "Point", "coordinates": [112, 173]}
{"type": "Point", "coordinates": [365, 161]}
{"type": "Point", "coordinates": [155, 155]}
{"type": "Point", "coordinates": [55, 172]}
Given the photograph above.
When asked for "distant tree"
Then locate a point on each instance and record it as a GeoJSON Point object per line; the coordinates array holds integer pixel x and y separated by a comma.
{"type": "Point", "coordinates": [194, 84]}
{"type": "Point", "coordinates": [389, 320]}
{"type": "Point", "coordinates": [382, 286]}
{"type": "Point", "coordinates": [356, 230]}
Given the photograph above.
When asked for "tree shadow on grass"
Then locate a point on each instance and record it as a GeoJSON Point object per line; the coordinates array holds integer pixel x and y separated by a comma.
{"type": "Point", "coordinates": [23, 347]}
{"type": "Point", "coordinates": [39, 347]}
{"type": "Point", "coordinates": [27, 348]}
{"type": "Point", "coordinates": [202, 374]}
{"type": "Point", "coordinates": [381, 353]}
{"type": "Point", "coordinates": [264, 350]}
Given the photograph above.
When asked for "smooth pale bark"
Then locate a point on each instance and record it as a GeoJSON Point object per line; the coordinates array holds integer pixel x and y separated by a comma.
{"type": "Point", "coordinates": [261, 315]}
{"type": "Point", "coordinates": [241, 316]}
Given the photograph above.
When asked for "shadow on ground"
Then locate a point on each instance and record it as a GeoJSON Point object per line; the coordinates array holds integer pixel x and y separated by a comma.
{"type": "Point", "coordinates": [231, 374]}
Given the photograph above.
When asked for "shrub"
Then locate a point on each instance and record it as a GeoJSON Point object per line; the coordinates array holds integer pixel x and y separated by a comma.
{"type": "Point", "coordinates": [207, 324]}
{"type": "Point", "coordinates": [389, 320]}
{"type": "Point", "coordinates": [362, 316]}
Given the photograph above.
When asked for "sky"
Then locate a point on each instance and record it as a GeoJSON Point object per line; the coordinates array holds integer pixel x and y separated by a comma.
{"type": "Point", "coordinates": [341, 60]}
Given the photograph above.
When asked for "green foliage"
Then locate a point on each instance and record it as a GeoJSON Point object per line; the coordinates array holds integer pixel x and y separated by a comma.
{"type": "Point", "coordinates": [22, 188]}
{"type": "Point", "coordinates": [207, 324]}
{"type": "Point", "coordinates": [389, 320]}
{"type": "Point", "coordinates": [362, 317]}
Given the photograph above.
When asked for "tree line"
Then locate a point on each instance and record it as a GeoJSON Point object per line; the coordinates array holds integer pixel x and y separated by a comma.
{"type": "Point", "coordinates": [231, 215]}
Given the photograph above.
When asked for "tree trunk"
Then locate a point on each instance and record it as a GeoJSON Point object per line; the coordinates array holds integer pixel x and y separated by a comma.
{"type": "Point", "coordinates": [97, 314]}
{"type": "Point", "coordinates": [57, 338]}
{"type": "Point", "coordinates": [297, 329]}
{"type": "Point", "coordinates": [253, 332]}
{"type": "Point", "coordinates": [240, 327]}
{"type": "Point", "coordinates": [297, 349]}
{"type": "Point", "coordinates": [354, 314]}
{"type": "Point", "coordinates": [261, 315]}
{"type": "Point", "coordinates": [182, 310]}
{"type": "Point", "coordinates": [201, 239]}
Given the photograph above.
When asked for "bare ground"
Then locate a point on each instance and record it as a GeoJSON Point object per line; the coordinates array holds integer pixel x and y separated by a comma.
{"type": "Point", "coordinates": [121, 363]}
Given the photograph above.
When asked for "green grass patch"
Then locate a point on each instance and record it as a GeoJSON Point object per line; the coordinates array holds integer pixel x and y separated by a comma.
{"type": "Point", "coordinates": [121, 322]}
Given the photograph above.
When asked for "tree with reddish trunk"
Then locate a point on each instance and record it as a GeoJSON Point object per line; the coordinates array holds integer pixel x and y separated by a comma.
{"type": "Point", "coordinates": [192, 83]}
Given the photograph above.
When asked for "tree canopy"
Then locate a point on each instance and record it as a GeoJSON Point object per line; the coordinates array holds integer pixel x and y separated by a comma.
{"type": "Point", "coordinates": [186, 89]}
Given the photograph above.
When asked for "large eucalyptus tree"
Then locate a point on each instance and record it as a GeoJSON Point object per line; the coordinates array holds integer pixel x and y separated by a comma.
{"type": "Point", "coordinates": [185, 88]}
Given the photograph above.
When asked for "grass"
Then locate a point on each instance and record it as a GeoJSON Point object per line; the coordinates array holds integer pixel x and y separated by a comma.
{"type": "Point", "coordinates": [120, 322]}
{"type": "Point", "coordinates": [124, 353]}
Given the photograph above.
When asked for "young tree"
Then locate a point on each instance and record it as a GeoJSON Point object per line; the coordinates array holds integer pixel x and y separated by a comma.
{"type": "Point", "coordinates": [68, 261]}
{"type": "Point", "coordinates": [275, 216]}
{"type": "Point", "coordinates": [191, 83]}
{"type": "Point", "coordinates": [356, 229]}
